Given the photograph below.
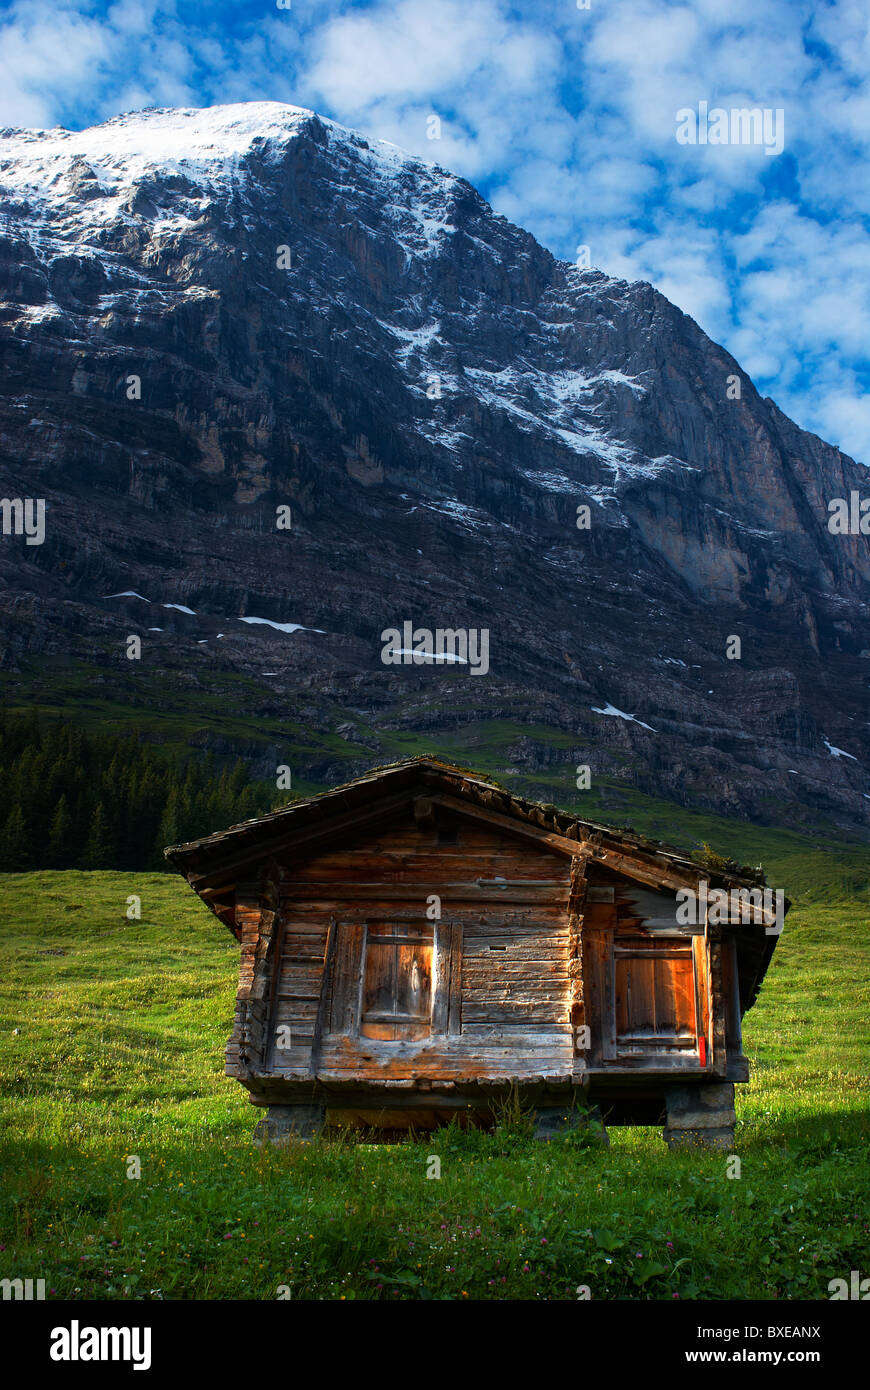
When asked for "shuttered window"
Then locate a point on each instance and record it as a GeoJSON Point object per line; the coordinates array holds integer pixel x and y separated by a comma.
{"type": "Point", "coordinates": [646, 983]}
{"type": "Point", "coordinates": [397, 991]}
{"type": "Point", "coordinates": [655, 996]}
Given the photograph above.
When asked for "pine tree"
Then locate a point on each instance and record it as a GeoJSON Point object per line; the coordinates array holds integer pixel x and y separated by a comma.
{"type": "Point", "coordinates": [70, 798]}
{"type": "Point", "coordinates": [98, 849]}
{"type": "Point", "coordinates": [60, 854]}
{"type": "Point", "coordinates": [15, 845]}
{"type": "Point", "coordinates": [167, 833]}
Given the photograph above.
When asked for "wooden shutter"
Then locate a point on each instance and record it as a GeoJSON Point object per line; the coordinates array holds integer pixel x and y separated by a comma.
{"type": "Point", "coordinates": [646, 998]}
{"type": "Point", "coordinates": [397, 981]}
{"type": "Point", "coordinates": [447, 983]}
{"type": "Point", "coordinates": [393, 980]}
{"type": "Point", "coordinates": [655, 996]}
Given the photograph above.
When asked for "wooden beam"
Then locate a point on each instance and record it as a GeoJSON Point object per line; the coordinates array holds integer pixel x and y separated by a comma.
{"type": "Point", "coordinates": [470, 890]}
{"type": "Point", "coordinates": [260, 848]}
{"type": "Point", "coordinates": [323, 1003]}
{"type": "Point", "coordinates": [576, 998]}
{"type": "Point", "coordinates": [511, 824]}
{"type": "Point", "coordinates": [641, 869]}
{"type": "Point", "coordinates": [276, 955]}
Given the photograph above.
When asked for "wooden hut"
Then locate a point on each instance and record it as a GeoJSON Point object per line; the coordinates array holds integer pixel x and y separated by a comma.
{"type": "Point", "coordinates": [420, 942]}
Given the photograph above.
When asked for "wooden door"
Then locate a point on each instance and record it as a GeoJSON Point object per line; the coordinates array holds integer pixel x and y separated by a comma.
{"type": "Point", "coordinates": [646, 1000]}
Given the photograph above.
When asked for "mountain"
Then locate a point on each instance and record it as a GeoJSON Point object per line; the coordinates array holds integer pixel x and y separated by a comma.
{"type": "Point", "coordinates": [210, 315]}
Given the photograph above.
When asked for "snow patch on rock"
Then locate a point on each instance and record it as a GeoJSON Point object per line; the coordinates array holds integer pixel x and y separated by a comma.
{"type": "Point", "coordinates": [621, 714]}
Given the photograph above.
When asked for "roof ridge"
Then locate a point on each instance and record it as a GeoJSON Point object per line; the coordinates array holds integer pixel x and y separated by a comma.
{"type": "Point", "coordinates": [565, 822]}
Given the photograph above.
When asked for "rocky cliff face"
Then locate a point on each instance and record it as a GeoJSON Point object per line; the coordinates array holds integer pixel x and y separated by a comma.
{"type": "Point", "coordinates": [211, 315]}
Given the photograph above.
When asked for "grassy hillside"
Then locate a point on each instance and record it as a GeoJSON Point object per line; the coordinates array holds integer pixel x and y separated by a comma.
{"type": "Point", "coordinates": [233, 716]}
{"type": "Point", "coordinates": [111, 1041]}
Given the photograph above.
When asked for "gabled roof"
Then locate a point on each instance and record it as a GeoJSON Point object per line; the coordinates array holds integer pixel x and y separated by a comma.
{"type": "Point", "coordinates": [456, 787]}
{"type": "Point", "coordinates": [215, 863]}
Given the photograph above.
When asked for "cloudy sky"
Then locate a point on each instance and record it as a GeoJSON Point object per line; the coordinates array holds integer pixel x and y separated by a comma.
{"type": "Point", "coordinates": [566, 119]}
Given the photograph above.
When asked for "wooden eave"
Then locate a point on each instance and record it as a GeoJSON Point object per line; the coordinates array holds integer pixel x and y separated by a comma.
{"type": "Point", "coordinates": [214, 864]}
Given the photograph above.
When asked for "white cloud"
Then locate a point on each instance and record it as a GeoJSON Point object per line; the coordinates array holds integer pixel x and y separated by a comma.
{"type": "Point", "coordinates": [568, 119]}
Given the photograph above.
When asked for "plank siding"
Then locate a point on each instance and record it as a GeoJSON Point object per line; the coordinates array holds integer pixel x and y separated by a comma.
{"type": "Point", "coordinates": [506, 998]}
{"type": "Point", "coordinates": [531, 946]}
{"type": "Point", "coordinates": [553, 958]}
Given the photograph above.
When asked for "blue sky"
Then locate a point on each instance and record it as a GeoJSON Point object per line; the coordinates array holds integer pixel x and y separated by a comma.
{"type": "Point", "coordinates": [566, 120]}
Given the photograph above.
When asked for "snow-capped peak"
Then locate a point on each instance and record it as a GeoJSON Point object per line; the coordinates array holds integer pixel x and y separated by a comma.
{"type": "Point", "coordinates": [188, 141]}
{"type": "Point", "coordinates": [199, 143]}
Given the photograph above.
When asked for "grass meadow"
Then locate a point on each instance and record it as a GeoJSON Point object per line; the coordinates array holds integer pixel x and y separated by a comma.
{"type": "Point", "coordinates": [111, 1062]}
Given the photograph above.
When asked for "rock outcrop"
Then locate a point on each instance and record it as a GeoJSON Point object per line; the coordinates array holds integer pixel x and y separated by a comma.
{"type": "Point", "coordinates": [208, 316]}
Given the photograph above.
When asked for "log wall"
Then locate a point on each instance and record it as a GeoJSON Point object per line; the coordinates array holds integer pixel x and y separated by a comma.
{"type": "Point", "coordinates": [531, 946]}
{"type": "Point", "coordinates": [504, 911]}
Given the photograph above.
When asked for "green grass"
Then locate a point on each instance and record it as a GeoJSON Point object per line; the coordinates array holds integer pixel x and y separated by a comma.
{"type": "Point", "coordinates": [119, 1053]}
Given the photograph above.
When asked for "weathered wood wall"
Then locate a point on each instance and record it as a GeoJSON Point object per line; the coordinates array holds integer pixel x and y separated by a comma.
{"type": "Point", "coordinates": [531, 945]}
{"type": "Point", "coordinates": [505, 903]}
